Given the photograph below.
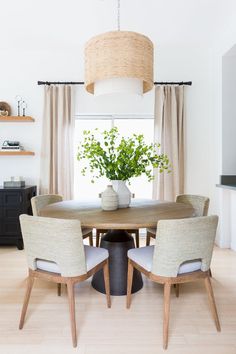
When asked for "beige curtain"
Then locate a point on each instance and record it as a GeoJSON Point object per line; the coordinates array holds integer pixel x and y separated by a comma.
{"type": "Point", "coordinates": [56, 173]}
{"type": "Point", "coordinates": [169, 132]}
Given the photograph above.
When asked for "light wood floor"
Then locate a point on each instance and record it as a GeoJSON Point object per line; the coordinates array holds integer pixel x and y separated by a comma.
{"type": "Point", "coordinates": [116, 330]}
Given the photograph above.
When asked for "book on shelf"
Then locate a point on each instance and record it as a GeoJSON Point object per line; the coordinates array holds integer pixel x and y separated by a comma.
{"type": "Point", "coordinates": [11, 149]}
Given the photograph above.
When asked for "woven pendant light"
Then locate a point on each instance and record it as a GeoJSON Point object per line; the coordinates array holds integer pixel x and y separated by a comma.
{"type": "Point", "coordinates": [119, 61]}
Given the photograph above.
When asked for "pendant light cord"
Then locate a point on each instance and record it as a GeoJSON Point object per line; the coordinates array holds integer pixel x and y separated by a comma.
{"type": "Point", "coordinates": [118, 15]}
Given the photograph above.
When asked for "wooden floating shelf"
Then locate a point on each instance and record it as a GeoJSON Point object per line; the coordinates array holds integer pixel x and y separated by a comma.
{"type": "Point", "coordinates": [16, 119]}
{"type": "Point", "coordinates": [16, 153]}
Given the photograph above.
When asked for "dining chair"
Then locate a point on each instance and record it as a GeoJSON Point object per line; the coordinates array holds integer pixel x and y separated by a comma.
{"type": "Point", "coordinates": [199, 203]}
{"type": "Point", "coordinates": [100, 232]}
{"type": "Point", "coordinates": [55, 252]}
{"type": "Point", "coordinates": [182, 254]}
{"type": "Point", "coordinates": [41, 201]}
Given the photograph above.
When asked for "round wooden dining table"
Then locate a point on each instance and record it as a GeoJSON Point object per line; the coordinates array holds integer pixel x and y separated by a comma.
{"type": "Point", "coordinates": [142, 213]}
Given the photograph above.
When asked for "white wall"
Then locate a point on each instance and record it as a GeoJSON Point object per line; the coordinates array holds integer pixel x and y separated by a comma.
{"type": "Point", "coordinates": [228, 114]}
{"type": "Point", "coordinates": [19, 75]}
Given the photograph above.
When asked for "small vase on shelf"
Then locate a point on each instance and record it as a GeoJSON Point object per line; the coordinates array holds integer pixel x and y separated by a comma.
{"type": "Point", "coordinates": [124, 194]}
{"type": "Point", "coordinates": [109, 199]}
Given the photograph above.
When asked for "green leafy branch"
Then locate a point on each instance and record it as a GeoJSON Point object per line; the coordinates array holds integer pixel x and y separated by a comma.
{"type": "Point", "coordinates": [120, 158]}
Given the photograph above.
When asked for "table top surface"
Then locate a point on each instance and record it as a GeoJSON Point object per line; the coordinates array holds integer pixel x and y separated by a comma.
{"type": "Point", "coordinates": [142, 213]}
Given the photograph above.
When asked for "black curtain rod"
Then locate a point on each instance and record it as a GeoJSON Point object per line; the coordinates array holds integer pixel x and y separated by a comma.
{"type": "Point", "coordinates": [187, 83]}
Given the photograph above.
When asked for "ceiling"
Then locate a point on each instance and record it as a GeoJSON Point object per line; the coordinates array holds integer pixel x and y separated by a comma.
{"type": "Point", "coordinates": [68, 24]}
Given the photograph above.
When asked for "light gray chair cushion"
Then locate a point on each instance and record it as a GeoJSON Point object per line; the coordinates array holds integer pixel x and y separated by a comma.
{"type": "Point", "coordinates": [144, 257]}
{"type": "Point", "coordinates": [93, 256]}
{"type": "Point", "coordinates": [190, 266]}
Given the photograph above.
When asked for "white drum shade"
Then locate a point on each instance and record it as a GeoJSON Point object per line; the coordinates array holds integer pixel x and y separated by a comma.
{"type": "Point", "coordinates": [118, 85]}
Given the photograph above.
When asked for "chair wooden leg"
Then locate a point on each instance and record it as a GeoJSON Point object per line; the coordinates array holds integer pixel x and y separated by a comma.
{"type": "Point", "coordinates": [148, 239]}
{"type": "Point", "coordinates": [129, 283]}
{"type": "Point", "coordinates": [107, 283]}
{"type": "Point", "coordinates": [167, 289]}
{"type": "Point", "coordinates": [30, 283]}
{"type": "Point", "coordinates": [212, 302]}
{"type": "Point", "coordinates": [71, 300]}
{"type": "Point", "coordinates": [59, 289]}
{"type": "Point", "coordinates": [91, 239]}
{"type": "Point", "coordinates": [176, 286]}
{"type": "Point", "coordinates": [137, 238]}
{"type": "Point", "coordinates": [210, 273]}
{"type": "Point", "coordinates": [97, 238]}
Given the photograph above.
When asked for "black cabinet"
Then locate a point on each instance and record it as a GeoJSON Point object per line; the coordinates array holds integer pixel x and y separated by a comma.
{"type": "Point", "coordinates": [14, 202]}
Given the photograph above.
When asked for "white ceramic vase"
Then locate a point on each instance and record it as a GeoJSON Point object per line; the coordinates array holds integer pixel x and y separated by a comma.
{"type": "Point", "coordinates": [109, 199]}
{"type": "Point", "coordinates": [124, 194]}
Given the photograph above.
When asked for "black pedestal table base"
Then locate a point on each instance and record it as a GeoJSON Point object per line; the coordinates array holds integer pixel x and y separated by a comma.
{"type": "Point", "coordinates": [117, 242]}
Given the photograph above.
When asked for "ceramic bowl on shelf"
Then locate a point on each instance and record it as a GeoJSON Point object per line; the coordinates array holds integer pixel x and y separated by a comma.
{"type": "Point", "coordinates": [4, 113]}
{"type": "Point", "coordinates": [5, 109]}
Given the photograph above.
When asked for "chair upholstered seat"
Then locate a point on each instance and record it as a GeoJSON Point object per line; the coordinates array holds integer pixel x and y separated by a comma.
{"type": "Point", "coordinates": [182, 254]}
{"type": "Point", "coordinates": [41, 201]}
{"type": "Point", "coordinates": [93, 256]}
{"type": "Point", "coordinates": [55, 252]}
{"type": "Point", "coordinates": [200, 206]}
{"type": "Point", "coordinates": [144, 257]}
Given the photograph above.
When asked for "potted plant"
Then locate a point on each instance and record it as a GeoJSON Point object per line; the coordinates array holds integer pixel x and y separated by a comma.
{"type": "Point", "coordinates": [119, 158]}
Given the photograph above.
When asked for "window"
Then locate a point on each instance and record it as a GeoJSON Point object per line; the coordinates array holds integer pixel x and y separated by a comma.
{"type": "Point", "coordinates": [83, 188]}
